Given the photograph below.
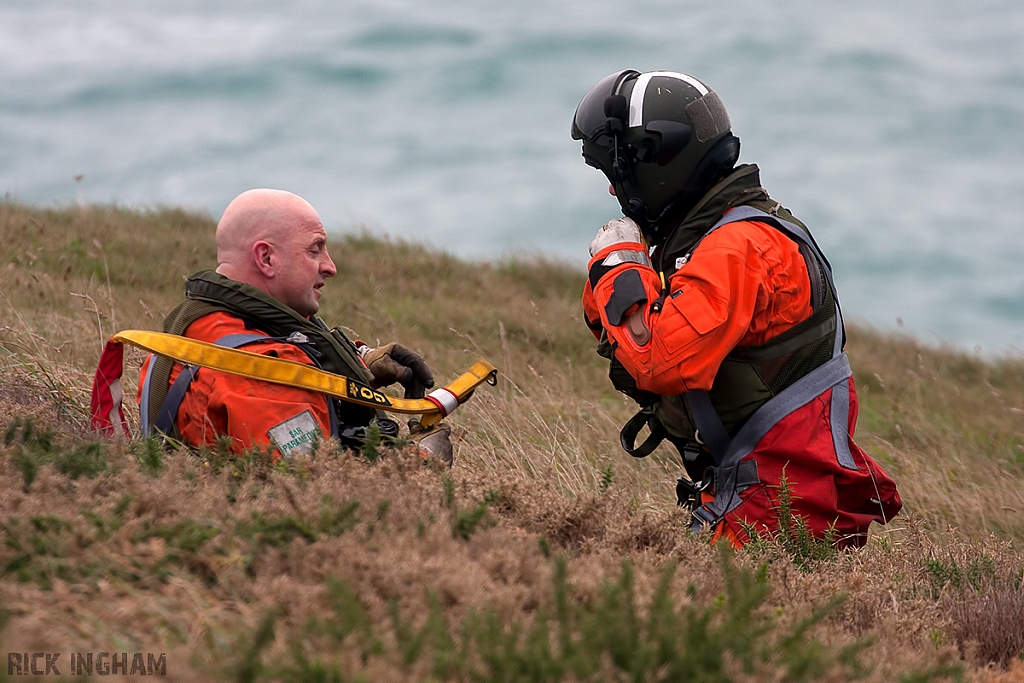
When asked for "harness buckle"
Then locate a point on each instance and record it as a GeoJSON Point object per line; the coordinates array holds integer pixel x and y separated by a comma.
{"type": "Point", "coordinates": [701, 517]}
{"type": "Point", "coordinates": [688, 493]}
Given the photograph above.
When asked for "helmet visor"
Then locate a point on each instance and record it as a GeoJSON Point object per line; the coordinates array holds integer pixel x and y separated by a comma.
{"type": "Point", "coordinates": [590, 118]}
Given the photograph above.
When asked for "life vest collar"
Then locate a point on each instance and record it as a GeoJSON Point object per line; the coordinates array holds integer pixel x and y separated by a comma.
{"type": "Point", "coordinates": [742, 186]}
{"type": "Point", "coordinates": [209, 292]}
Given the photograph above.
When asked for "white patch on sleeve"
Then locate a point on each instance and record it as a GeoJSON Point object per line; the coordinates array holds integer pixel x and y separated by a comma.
{"type": "Point", "coordinates": [296, 434]}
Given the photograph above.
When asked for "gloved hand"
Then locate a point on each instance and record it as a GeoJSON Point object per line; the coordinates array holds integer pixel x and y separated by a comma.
{"type": "Point", "coordinates": [615, 231]}
{"type": "Point", "coordinates": [394, 363]}
{"type": "Point", "coordinates": [435, 441]}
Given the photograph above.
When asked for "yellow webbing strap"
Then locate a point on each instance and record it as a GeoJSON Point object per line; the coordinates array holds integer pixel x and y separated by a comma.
{"type": "Point", "coordinates": [301, 376]}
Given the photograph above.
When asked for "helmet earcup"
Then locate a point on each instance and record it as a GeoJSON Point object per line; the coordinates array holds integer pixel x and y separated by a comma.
{"type": "Point", "coordinates": [672, 138]}
{"type": "Point", "coordinates": [652, 135]}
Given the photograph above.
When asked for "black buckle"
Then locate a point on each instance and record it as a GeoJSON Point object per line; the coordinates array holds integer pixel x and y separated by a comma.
{"type": "Point", "coordinates": [688, 493]}
{"type": "Point", "coordinates": [700, 518]}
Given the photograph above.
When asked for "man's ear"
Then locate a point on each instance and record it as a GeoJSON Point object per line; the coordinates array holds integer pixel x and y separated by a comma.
{"type": "Point", "coordinates": [261, 256]}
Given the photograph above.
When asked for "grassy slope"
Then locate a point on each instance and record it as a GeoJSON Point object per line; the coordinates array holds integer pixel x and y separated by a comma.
{"type": "Point", "coordinates": [190, 558]}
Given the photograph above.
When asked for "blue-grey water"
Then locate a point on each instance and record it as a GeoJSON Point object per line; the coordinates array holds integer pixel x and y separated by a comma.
{"type": "Point", "coordinates": [894, 128]}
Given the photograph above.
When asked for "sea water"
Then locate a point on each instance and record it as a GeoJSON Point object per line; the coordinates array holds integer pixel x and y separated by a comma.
{"type": "Point", "coordinates": [894, 128]}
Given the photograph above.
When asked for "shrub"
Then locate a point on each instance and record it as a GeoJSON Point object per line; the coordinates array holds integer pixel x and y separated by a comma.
{"type": "Point", "coordinates": [582, 640]}
{"type": "Point", "coordinates": [793, 537]}
{"type": "Point", "coordinates": [32, 448]}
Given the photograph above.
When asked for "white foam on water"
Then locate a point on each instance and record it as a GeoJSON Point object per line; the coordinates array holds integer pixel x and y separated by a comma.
{"type": "Point", "coordinates": [895, 129]}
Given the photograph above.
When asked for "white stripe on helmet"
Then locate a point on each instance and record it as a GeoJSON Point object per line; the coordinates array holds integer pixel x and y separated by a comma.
{"type": "Point", "coordinates": [636, 99]}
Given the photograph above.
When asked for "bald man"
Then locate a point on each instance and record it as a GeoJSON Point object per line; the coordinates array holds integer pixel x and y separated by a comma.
{"type": "Point", "coordinates": [272, 262]}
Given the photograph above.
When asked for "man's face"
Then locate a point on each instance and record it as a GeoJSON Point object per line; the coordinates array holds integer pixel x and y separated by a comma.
{"type": "Point", "coordinates": [301, 264]}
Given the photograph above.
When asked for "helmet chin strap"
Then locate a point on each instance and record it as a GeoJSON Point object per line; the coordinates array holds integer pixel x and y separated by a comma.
{"type": "Point", "coordinates": [715, 165]}
{"type": "Point", "coordinates": [635, 208]}
{"type": "Point", "coordinates": [632, 206]}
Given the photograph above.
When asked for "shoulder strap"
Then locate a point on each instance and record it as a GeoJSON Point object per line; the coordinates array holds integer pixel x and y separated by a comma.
{"type": "Point", "coordinates": [706, 419]}
{"type": "Point", "coordinates": [157, 381]}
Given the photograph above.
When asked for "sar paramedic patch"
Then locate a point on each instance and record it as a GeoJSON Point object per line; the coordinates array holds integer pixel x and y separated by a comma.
{"type": "Point", "coordinates": [296, 434]}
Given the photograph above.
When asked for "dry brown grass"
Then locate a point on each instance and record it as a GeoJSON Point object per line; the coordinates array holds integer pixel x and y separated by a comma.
{"type": "Point", "coordinates": [541, 448]}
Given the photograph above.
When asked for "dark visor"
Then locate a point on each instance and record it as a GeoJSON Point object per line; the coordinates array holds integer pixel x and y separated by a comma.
{"type": "Point", "coordinates": [590, 115]}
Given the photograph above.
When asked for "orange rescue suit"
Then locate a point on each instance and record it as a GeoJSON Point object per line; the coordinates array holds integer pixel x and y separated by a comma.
{"type": "Point", "coordinates": [744, 284]}
{"type": "Point", "coordinates": [244, 409]}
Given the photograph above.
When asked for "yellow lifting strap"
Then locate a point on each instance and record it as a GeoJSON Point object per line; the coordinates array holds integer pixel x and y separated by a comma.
{"type": "Point", "coordinates": [437, 405]}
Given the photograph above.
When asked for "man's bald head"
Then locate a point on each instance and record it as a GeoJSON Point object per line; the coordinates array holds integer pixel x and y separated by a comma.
{"type": "Point", "coordinates": [258, 215]}
{"type": "Point", "coordinates": [275, 241]}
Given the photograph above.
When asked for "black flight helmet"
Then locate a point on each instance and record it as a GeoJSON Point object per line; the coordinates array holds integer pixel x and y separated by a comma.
{"type": "Point", "coordinates": [662, 138]}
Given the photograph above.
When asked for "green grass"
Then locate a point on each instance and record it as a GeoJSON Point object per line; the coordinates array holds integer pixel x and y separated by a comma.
{"type": "Point", "coordinates": [608, 638]}
{"type": "Point", "coordinates": [33, 448]}
{"type": "Point", "coordinates": [668, 629]}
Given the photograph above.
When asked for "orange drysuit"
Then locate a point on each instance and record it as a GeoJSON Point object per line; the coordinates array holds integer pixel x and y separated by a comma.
{"type": "Point", "coordinates": [745, 284]}
{"type": "Point", "coordinates": [250, 412]}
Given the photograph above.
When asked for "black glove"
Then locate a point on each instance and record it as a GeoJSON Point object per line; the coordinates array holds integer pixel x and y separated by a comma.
{"type": "Point", "coordinates": [394, 363]}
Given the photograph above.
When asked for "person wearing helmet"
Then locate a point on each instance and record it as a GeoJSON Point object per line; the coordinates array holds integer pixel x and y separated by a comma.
{"type": "Point", "coordinates": [720, 318]}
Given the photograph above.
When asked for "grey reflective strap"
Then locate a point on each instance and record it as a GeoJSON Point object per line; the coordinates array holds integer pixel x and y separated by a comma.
{"type": "Point", "coordinates": [233, 341]}
{"type": "Point", "coordinates": [796, 396]}
{"type": "Point", "coordinates": [168, 415]}
{"type": "Point", "coordinates": [709, 424]}
{"type": "Point", "coordinates": [799, 394]}
{"type": "Point", "coordinates": [701, 517]}
{"type": "Point", "coordinates": [839, 417]}
{"type": "Point", "coordinates": [626, 256]}
{"type": "Point", "coordinates": [746, 475]}
{"type": "Point", "coordinates": [839, 408]}
{"type": "Point", "coordinates": [144, 404]}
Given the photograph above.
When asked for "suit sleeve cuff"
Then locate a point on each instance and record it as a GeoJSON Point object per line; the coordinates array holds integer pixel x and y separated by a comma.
{"type": "Point", "coordinates": [616, 255]}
